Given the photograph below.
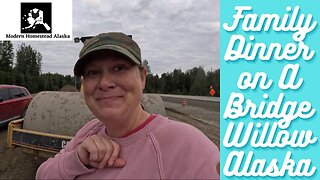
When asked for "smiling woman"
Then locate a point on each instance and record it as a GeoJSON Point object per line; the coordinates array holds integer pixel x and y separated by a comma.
{"type": "Point", "coordinates": [125, 141]}
{"type": "Point", "coordinates": [113, 88]}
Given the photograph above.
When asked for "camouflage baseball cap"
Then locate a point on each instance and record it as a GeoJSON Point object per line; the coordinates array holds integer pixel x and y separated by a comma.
{"type": "Point", "coordinates": [115, 41]}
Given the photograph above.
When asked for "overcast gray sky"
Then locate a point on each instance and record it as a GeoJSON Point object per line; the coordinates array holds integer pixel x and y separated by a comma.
{"type": "Point", "coordinates": [179, 34]}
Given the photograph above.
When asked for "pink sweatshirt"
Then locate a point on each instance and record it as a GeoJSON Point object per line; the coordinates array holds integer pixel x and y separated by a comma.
{"type": "Point", "coordinates": [163, 149]}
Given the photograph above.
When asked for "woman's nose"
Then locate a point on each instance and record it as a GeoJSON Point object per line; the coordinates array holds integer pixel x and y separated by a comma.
{"type": "Point", "coordinates": [106, 81]}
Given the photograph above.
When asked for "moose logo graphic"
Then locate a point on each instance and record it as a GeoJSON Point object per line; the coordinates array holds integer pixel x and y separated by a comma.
{"type": "Point", "coordinates": [36, 18]}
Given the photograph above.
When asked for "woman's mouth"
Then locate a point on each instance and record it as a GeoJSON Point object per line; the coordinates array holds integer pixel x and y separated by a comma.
{"type": "Point", "coordinates": [108, 99]}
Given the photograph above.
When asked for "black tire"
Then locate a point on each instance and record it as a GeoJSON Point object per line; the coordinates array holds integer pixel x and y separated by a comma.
{"type": "Point", "coordinates": [24, 113]}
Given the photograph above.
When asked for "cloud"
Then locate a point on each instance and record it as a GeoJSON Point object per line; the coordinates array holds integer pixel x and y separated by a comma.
{"type": "Point", "coordinates": [179, 34]}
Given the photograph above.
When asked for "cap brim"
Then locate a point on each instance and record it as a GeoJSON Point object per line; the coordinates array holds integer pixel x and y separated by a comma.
{"type": "Point", "coordinates": [78, 68]}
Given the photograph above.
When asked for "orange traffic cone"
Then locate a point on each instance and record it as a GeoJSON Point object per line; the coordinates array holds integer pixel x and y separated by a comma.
{"type": "Point", "coordinates": [184, 102]}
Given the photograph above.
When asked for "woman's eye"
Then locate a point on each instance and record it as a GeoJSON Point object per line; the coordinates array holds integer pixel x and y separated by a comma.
{"type": "Point", "coordinates": [91, 73]}
{"type": "Point", "coordinates": [120, 68]}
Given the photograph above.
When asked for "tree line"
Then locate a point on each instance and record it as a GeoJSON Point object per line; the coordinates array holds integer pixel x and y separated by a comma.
{"type": "Point", "coordinates": [194, 81]}
{"type": "Point", "coordinates": [24, 68]}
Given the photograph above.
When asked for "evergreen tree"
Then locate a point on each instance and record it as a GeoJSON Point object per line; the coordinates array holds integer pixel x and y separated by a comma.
{"type": "Point", "coordinates": [145, 63]}
{"type": "Point", "coordinates": [28, 60]}
{"type": "Point", "coordinates": [156, 83]}
{"type": "Point", "coordinates": [6, 56]}
{"type": "Point", "coordinates": [199, 85]}
{"type": "Point", "coordinates": [163, 83]}
{"type": "Point", "coordinates": [178, 78]}
{"type": "Point", "coordinates": [150, 84]}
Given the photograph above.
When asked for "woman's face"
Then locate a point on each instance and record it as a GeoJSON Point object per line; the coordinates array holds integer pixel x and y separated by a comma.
{"type": "Point", "coordinates": [113, 87]}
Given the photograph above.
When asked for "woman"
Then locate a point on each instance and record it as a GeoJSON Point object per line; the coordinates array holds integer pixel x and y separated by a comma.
{"type": "Point", "coordinates": [125, 141]}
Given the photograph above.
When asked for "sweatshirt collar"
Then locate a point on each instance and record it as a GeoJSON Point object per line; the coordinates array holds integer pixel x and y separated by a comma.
{"type": "Point", "coordinates": [132, 138]}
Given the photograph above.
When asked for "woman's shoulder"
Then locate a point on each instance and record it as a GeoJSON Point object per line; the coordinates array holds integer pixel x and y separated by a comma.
{"type": "Point", "coordinates": [169, 126]}
{"type": "Point", "coordinates": [180, 132]}
{"type": "Point", "coordinates": [185, 149]}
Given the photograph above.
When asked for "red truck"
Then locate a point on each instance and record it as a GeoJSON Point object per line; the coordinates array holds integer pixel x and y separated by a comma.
{"type": "Point", "coordinates": [14, 101]}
